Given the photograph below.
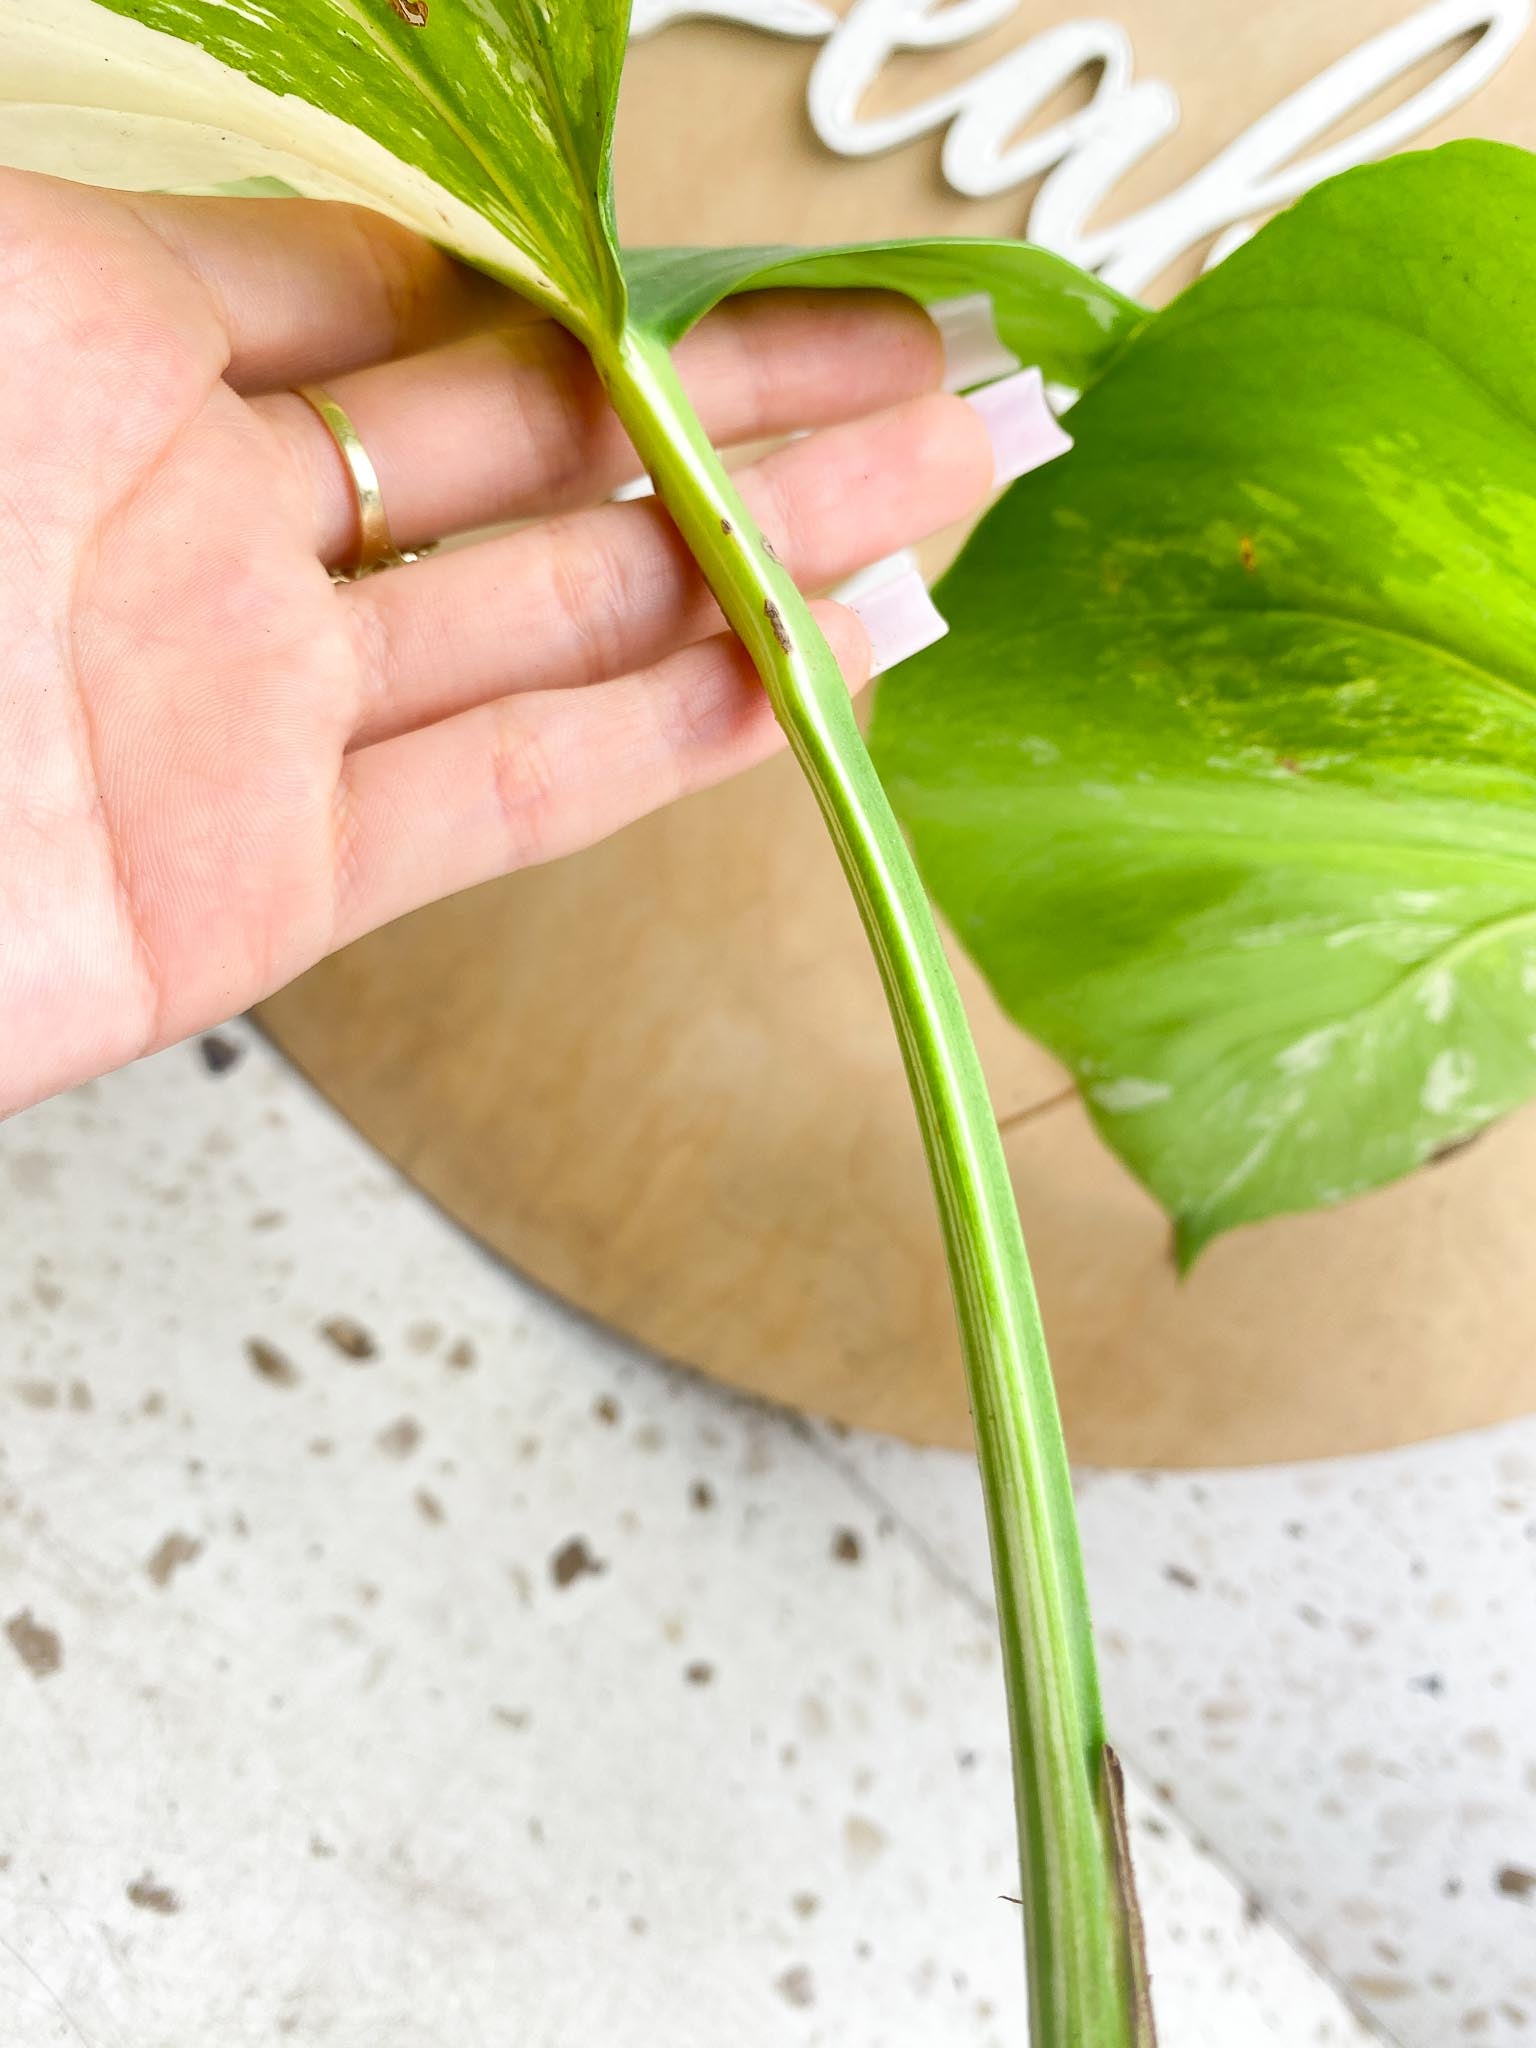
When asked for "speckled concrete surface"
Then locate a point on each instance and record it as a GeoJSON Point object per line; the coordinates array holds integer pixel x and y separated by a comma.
{"type": "Point", "coordinates": [1329, 1671]}
{"type": "Point", "coordinates": [388, 1658]}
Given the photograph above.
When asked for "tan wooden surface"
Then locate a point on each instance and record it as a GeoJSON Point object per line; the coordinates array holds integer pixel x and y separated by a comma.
{"type": "Point", "coordinates": [659, 1077]}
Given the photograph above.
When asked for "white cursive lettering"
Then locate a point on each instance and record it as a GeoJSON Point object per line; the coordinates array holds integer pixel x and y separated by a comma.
{"type": "Point", "coordinates": [1084, 156]}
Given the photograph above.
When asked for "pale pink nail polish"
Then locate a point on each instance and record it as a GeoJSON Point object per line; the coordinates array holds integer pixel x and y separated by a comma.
{"type": "Point", "coordinates": [900, 618]}
{"type": "Point", "coordinates": [1020, 424]}
{"type": "Point", "coordinates": [974, 351]}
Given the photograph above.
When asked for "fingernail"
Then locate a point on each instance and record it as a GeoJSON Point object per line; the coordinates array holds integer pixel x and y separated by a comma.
{"type": "Point", "coordinates": [1023, 430]}
{"type": "Point", "coordinates": [637, 487]}
{"type": "Point", "coordinates": [886, 570]}
{"type": "Point", "coordinates": [900, 618]}
{"type": "Point", "coordinates": [974, 351]}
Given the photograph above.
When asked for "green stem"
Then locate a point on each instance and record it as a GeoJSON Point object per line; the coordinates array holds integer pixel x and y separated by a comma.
{"type": "Point", "coordinates": [1080, 1937]}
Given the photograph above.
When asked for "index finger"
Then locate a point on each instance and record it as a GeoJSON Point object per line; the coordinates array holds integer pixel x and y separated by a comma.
{"type": "Point", "coordinates": [309, 288]}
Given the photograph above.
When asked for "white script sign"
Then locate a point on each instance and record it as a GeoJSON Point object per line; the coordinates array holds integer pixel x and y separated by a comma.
{"type": "Point", "coordinates": [1081, 158]}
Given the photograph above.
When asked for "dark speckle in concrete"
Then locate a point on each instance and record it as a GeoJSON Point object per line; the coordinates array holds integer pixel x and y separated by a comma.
{"type": "Point", "coordinates": [606, 1409]}
{"type": "Point", "coordinates": [805, 1904]}
{"type": "Point", "coordinates": [219, 1053]}
{"type": "Point", "coordinates": [461, 1355]}
{"type": "Point", "coordinates": [1515, 1882]}
{"type": "Point", "coordinates": [1181, 1575]}
{"type": "Point", "coordinates": [37, 1393]}
{"type": "Point", "coordinates": [152, 1897]}
{"type": "Point", "coordinates": [346, 1335]}
{"type": "Point", "coordinates": [574, 1560]}
{"type": "Point", "coordinates": [271, 1364]}
{"type": "Point", "coordinates": [169, 1555]}
{"type": "Point", "coordinates": [699, 1673]}
{"type": "Point", "coordinates": [796, 1986]}
{"type": "Point", "coordinates": [39, 1648]}
{"type": "Point", "coordinates": [701, 1495]}
{"type": "Point", "coordinates": [846, 1547]}
{"type": "Point", "coordinates": [401, 1438]}
{"type": "Point", "coordinates": [428, 1506]}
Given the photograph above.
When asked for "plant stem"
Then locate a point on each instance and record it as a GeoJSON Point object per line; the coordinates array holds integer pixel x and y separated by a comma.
{"type": "Point", "coordinates": [1081, 1939]}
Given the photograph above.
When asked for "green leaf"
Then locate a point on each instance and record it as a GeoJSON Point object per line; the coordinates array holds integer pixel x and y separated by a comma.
{"type": "Point", "coordinates": [1226, 774]}
{"type": "Point", "coordinates": [487, 127]}
{"type": "Point", "coordinates": [1050, 314]}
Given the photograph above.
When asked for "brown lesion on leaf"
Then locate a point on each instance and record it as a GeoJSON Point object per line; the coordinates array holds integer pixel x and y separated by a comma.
{"type": "Point", "coordinates": [775, 619]}
{"type": "Point", "coordinates": [726, 528]}
{"type": "Point", "coordinates": [1246, 554]}
{"type": "Point", "coordinates": [412, 12]}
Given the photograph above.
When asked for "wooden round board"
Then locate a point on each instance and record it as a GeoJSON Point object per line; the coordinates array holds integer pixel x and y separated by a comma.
{"type": "Point", "coordinates": [659, 1077]}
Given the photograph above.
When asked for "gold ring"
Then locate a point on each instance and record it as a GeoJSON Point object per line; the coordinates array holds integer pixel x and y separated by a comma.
{"type": "Point", "coordinates": [375, 543]}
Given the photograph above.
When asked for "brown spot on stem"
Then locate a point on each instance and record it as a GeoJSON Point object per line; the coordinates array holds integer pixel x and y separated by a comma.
{"type": "Point", "coordinates": [775, 619]}
{"type": "Point", "coordinates": [1246, 555]}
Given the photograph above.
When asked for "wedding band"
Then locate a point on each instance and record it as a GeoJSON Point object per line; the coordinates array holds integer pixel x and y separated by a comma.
{"type": "Point", "coordinates": [375, 543]}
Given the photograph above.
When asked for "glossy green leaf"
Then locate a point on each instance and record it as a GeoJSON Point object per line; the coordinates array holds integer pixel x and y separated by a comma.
{"type": "Point", "coordinates": [1226, 774]}
{"type": "Point", "coordinates": [486, 124]}
{"type": "Point", "coordinates": [1051, 314]}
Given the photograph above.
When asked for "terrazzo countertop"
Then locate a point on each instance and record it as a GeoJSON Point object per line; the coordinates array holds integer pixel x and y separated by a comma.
{"type": "Point", "coordinates": [389, 1657]}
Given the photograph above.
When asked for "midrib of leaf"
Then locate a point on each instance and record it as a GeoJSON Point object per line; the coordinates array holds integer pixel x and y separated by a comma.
{"type": "Point", "coordinates": [1524, 700]}
{"type": "Point", "coordinates": [1469, 943]}
{"type": "Point", "coordinates": [1180, 323]}
{"type": "Point", "coordinates": [426, 86]}
{"type": "Point", "coordinates": [553, 104]}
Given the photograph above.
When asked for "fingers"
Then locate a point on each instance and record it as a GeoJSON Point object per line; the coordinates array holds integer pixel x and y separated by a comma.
{"type": "Point", "coordinates": [513, 423]}
{"type": "Point", "coordinates": [309, 290]}
{"type": "Point", "coordinates": [529, 778]}
{"type": "Point", "coordinates": [596, 594]}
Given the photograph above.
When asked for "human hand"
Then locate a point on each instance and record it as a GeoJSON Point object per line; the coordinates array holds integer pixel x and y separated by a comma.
{"type": "Point", "coordinates": [217, 766]}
